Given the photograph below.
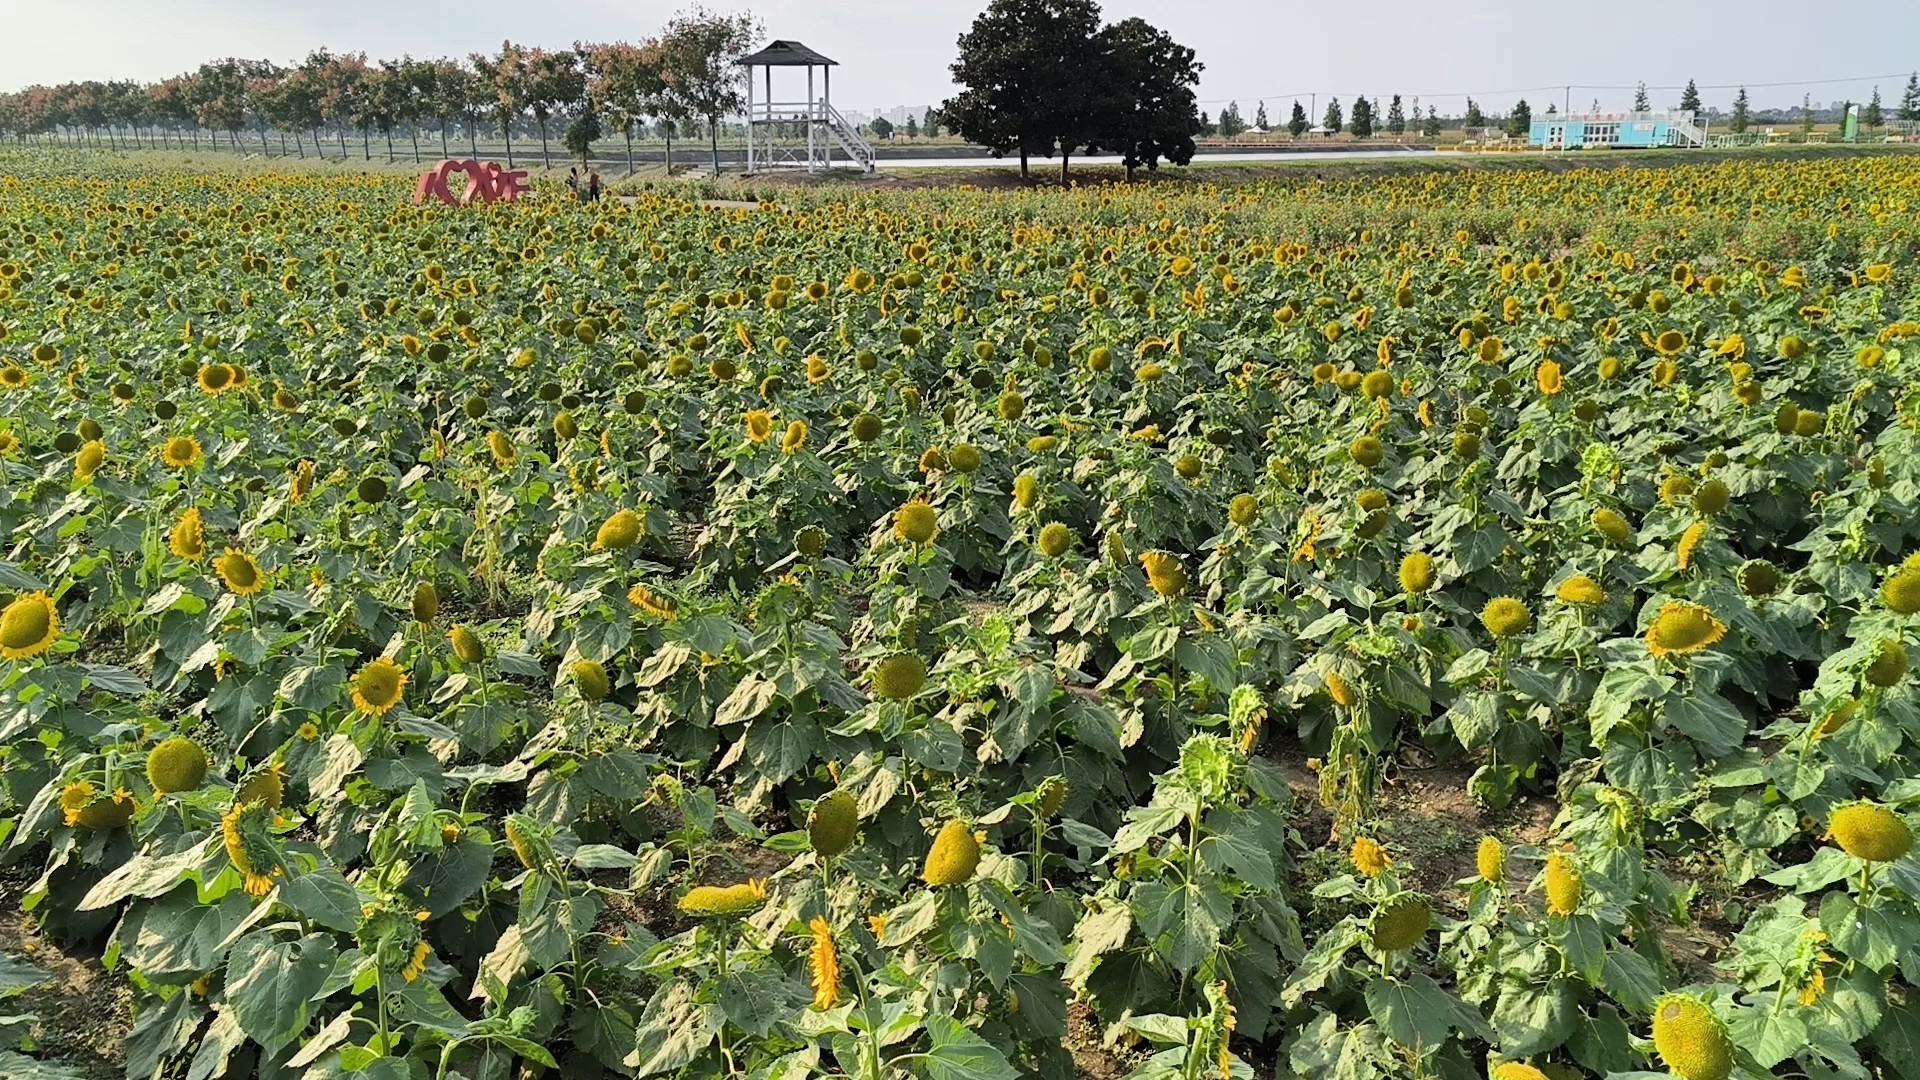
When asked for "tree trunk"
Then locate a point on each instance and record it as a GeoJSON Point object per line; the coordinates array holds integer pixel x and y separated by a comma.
{"type": "Point", "coordinates": [299, 143]}
{"type": "Point", "coordinates": [389, 134]}
{"type": "Point", "coordinates": [415, 132]}
{"type": "Point", "coordinates": [629, 148]}
{"type": "Point", "coordinates": [507, 130]}
{"type": "Point", "coordinates": [366, 144]}
{"type": "Point", "coordinates": [264, 152]}
{"type": "Point", "coordinates": [669, 151]}
{"type": "Point", "coordinates": [473, 140]}
{"type": "Point", "coordinates": [1063, 167]}
{"type": "Point", "coordinates": [443, 136]}
{"type": "Point", "coordinates": [713, 134]}
{"type": "Point", "coordinates": [546, 156]}
{"type": "Point", "coordinates": [343, 142]}
{"type": "Point", "coordinates": [1023, 163]}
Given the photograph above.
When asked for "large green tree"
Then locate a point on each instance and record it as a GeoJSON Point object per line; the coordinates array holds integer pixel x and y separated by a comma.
{"type": "Point", "coordinates": [1149, 112]}
{"type": "Point", "coordinates": [1910, 100]}
{"type": "Point", "coordinates": [1741, 112]}
{"type": "Point", "coordinates": [1023, 68]}
{"type": "Point", "coordinates": [1333, 121]}
{"type": "Point", "coordinates": [1397, 116]}
{"type": "Point", "coordinates": [1874, 115]}
{"type": "Point", "coordinates": [1297, 124]}
{"type": "Point", "coordinates": [698, 52]}
{"type": "Point", "coordinates": [1690, 98]}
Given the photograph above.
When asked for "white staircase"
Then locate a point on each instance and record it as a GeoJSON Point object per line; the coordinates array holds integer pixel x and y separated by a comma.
{"type": "Point", "coordinates": [846, 135]}
{"type": "Point", "coordinates": [1688, 130]}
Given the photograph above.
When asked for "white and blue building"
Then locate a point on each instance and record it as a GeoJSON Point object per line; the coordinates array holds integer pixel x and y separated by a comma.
{"type": "Point", "coordinates": [1626, 130]}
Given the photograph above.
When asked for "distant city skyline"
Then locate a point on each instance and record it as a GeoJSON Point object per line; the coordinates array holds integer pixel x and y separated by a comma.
{"type": "Point", "coordinates": [1496, 51]}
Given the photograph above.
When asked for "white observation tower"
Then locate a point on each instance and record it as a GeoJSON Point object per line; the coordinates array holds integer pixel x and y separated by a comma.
{"type": "Point", "coordinates": [768, 119]}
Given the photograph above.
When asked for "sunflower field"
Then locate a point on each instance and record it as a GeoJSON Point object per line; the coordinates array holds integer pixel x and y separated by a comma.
{"type": "Point", "coordinates": [966, 635]}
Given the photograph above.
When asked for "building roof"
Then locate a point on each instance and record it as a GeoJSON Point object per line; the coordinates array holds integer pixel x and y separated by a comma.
{"type": "Point", "coordinates": [779, 53]}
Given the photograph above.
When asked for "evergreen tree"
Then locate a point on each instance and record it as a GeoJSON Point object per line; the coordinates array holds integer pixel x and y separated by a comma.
{"type": "Point", "coordinates": [1230, 122]}
{"type": "Point", "coordinates": [1474, 118]}
{"type": "Point", "coordinates": [1332, 121]}
{"type": "Point", "coordinates": [1433, 121]}
{"type": "Point", "coordinates": [1741, 111]}
{"type": "Point", "coordinates": [1297, 123]}
{"type": "Point", "coordinates": [1910, 101]}
{"type": "Point", "coordinates": [1362, 125]}
{"type": "Point", "coordinates": [1690, 99]}
{"type": "Point", "coordinates": [1640, 102]}
{"type": "Point", "coordinates": [1206, 125]}
{"type": "Point", "coordinates": [1396, 117]}
{"type": "Point", "coordinates": [1520, 120]}
{"type": "Point", "coordinates": [1873, 116]}
{"type": "Point", "coordinates": [1806, 114]}
{"type": "Point", "coordinates": [1260, 117]}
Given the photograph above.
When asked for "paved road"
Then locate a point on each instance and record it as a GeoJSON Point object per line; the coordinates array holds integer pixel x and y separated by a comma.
{"type": "Point", "coordinates": [1039, 164]}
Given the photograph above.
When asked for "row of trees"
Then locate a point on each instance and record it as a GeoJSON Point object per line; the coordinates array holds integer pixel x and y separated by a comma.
{"type": "Point", "coordinates": [1045, 77]}
{"type": "Point", "coordinates": [1364, 121]}
{"type": "Point", "coordinates": [684, 75]}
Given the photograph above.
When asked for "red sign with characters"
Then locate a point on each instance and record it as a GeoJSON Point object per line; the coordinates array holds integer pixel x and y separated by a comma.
{"type": "Point", "coordinates": [488, 183]}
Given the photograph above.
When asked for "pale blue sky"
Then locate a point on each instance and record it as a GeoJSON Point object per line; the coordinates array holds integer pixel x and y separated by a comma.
{"type": "Point", "coordinates": [896, 52]}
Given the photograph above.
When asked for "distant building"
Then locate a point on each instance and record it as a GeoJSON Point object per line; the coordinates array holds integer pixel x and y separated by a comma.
{"type": "Point", "coordinates": [1578, 131]}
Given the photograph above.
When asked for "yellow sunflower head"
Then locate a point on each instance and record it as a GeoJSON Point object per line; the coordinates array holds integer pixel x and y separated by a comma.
{"type": "Point", "coordinates": [1692, 1041]}
{"type": "Point", "coordinates": [954, 856]}
{"type": "Point", "coordinates": [1564, 886]}
{"type": "Point", "coordinates": [178, 764]}
{"type": "Point", "coordinates": [1166, 574]}
{"type": "Point", "coordinates": [1683, 628]}
{"type": "Point", "coordinates": [1868, 831]}
{"type": "Point", "coordinates": [180, 451]}
{"type": "Point", "coordinates": [1417, 572]}
{"type": "Point", "coordinates": [622, 529]}
{"type": "Point", "coordinates": [240, 574]}
{"type": "Point", "coordinates": [216, 378]}
{"type": "Point", "coordinates": [1490, 859]}
{"type": "Point", "coordinates": [28, 626]}
{"type": "Point", "coordinates": [377, 687]}
{"type": "Point", "coordinates": [1505, 617]}
{"type": "Point", "coordinates": [1580, 590]}
{"type": "Point", "coordinates": [188, 537]}
{"type": "Point", "coordinates": [916, 522]}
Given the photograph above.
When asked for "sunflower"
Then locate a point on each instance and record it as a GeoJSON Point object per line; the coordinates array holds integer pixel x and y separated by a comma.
{"type": "Point", "coordinates": [92, 455]}
{"type": "Point", "coordinates": [622, 529]}
{"type": "Point", "coordinates": [1505, 617]}
{"type": "Point", "coordinates": [1692, 1041]}
{"type": "Point", "coordinates": [1682, 629]}
{"type": "Point", "coordinates": [28, 626]}
{"type": "Point", "coordinates": [1490, 859]}
{"type": "Point", "coordinates": [1689, 544]}
{"type": "Point", "coordinates": [377, 687]}
{"type": "Point", "coordinates": [178, 764]}
{"type": "Point", "coordinates": [1758, 578]}
{"type": "Point", "coordinates": [795, 437]}
{"type": "Point", "coordinates": [1888, 666]}
{"type": "Point", "coordinates": [1166, 574]}
{"type": "Point", "coordinates": [1901, 591]}
{"type": "Point", "coordinates": [215, 379]}
{"type": "Point", "coordinates": [729, 901]}
{"type": "Point", "coordinates": [653, 603]}
{"type": "Point", "coordinates": [188, 537]}
{"type": "Point", "coordinates": [249, 844]}
{"type": "Point", "coordinates": [759, 425]}
{"type": "Point", "coordinates": [180, 451]}
{"type": "Point", "coordinates": [1549, 378]}
{"type": "Point", "coordinates": [240, 573]}
{"type": "Point", "coordinates": [502, 448]}
{"type": "Point", "coordinates": [13, 376]}
{"type": "Point", "coordinates": [1563, 885]}
{"type": "Point", "coordinates": [823, 965]}
{"type": "Point", "coordinates": [954, 856]}
{"type": "Point", "coordinates": [1580, 590]}
{"type": "Point", "coordinates": [1400, 923]}
{"type": "Point", "coordinates": [1369, 857]}
{"type": "Point", "coordinates": [1417, 572]}
{"type": "Point", "coordinates": [916, 523]}
{"type": "Point", "coordinates": [899, 677]}
{"type": "Point", "coordinates": [1055, 539]}
{"type": "Point", "coordinates": [1868, 831]}
{"type": "Point", "coordinates": [1879, 272]}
